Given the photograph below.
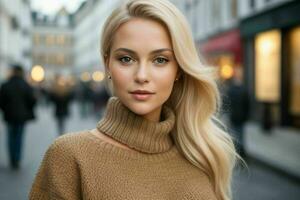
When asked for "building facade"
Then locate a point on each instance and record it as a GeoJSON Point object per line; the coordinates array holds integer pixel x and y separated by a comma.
{"type": "Point", "coordinates": [214, 25]}
{"type": "Point", "coordinates": [261, 37]}
{"type": "Point", "coordinates": [271, 42]}
{"type": "Point", "coordinates": [89, 20]}
{"type": "Point", "coordinates": [52, 39]}
{"type": "Point", "coordinates": [15, 35]}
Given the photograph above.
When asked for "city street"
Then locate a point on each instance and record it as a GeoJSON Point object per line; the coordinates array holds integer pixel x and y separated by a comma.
{"type": "Point", "coordinates": [255, 183]}
{"type": "Point", "coordinates": [58, 51]}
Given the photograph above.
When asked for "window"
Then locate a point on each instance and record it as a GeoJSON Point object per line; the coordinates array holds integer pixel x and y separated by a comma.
{"type": "Point", "coordinates": [234, 9]}
{"type": "Point", "coordinates": [294, 60]}
{"type": "Point", "coordinates": [36, 39]}
{"type": "Point", "coordinates": [60, 59]}
{"type": "Point", "coordinates": [14, 23]}
{"type": "Point", "coordinates": [61, 40]}
{"type": "Point", "coordinates": [252, 4]}
{"type": "Point", "coordinates": [49, 40]}
{"type": "Point", "coordinates": [267, 66]}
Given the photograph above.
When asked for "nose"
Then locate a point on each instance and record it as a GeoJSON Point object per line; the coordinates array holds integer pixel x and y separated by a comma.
{"type": "Point", "coordinates": [142, 74]}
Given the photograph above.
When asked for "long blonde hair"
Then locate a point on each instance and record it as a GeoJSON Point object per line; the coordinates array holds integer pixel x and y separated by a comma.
{"type": "Point", "coordinates": [195, 98]}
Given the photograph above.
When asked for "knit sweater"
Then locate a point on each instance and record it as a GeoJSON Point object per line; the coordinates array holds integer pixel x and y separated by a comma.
{"type": "Point", "coordinates": [84, 166]}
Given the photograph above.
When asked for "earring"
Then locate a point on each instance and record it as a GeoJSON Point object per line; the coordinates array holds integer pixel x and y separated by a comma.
{"type": "Point", "coordinates": [109, 77]}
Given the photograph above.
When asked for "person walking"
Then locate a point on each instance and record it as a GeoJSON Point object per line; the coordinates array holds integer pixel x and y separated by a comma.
{"type": "Point", "coordinates": [239, 108]}
{"type": "Point", "coordinates": [17, 102]}
{"type": "Point", "coordinates": [60, 95]}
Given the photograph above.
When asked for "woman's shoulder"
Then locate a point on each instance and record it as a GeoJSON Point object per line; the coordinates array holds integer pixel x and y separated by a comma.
{"type": "Point", "coordinates": [71, 138]}
{"type": "Point", "coordinates": [71, 142]}
{"type": "Point", "coordinates": [83, 137]}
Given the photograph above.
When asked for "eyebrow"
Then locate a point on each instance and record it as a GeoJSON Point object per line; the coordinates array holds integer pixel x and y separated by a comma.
{"type": "Point", "coordinates": [152, 52]}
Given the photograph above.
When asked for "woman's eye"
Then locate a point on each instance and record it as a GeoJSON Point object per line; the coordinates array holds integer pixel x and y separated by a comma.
{"type": "Point", "coordinates": [161, 60]}
{"type": "Point", "coordinates": [126, 59]}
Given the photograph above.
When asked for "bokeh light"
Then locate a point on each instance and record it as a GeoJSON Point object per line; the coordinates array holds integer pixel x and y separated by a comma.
{"type": "Point", "coordinates": [38, 73]}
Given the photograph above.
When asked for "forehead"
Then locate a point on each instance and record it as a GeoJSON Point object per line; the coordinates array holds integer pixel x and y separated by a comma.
{"type": "Point", "coordinates": [142, 34]}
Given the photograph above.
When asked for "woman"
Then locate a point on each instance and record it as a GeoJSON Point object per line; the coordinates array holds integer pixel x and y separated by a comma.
{"type": "Point", "coordinates": [158, 138]}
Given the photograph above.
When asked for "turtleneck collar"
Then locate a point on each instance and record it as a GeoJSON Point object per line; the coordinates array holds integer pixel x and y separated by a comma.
{"type": "Point", "coordinates": [136, 132]}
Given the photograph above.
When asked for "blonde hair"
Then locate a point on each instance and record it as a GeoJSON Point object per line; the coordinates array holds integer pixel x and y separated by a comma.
{"type": "Point", "coordinates": [195, 98]}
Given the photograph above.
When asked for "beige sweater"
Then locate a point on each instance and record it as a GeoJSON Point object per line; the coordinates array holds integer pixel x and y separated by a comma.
{"type": "Point", "coordinates": [83, 166]}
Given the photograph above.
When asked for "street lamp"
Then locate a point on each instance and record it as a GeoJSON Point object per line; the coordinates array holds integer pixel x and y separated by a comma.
{"type": "Point", "coordinates": [85, 77]}
{"type": "Point", "coordinates": [37, 73]}
{"type": "Point", "coordinates": [98, 76]}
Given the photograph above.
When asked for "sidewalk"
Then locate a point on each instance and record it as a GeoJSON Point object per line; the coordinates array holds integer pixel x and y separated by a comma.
{"type": "Point", "coordinates": [280, 148]}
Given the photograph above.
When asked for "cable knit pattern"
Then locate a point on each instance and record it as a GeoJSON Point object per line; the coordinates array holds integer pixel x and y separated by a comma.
{"type": "Point", "coordinates": [83, 166]}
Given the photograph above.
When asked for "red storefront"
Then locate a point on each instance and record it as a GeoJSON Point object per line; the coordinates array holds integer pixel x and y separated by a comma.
{"type": "Point", "coordinates": [224, 51]}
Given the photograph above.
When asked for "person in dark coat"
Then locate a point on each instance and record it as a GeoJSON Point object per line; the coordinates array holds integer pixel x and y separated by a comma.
{"type": "Point", "coordinates": [17, 101]}
{"type": "Point", "coordinates": [60, 96]}
{"type": "Point", "coordinates": [239, 108]}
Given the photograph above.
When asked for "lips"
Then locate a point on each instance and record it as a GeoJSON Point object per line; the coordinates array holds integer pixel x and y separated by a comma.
{"type": "Point", "coordinates": [141, 92]}
{"type": "Point", "coordinates": [141, 95]}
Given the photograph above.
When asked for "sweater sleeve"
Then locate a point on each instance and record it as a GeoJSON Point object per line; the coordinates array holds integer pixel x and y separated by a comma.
{"type": "Point", "coordinates": [58, 176]}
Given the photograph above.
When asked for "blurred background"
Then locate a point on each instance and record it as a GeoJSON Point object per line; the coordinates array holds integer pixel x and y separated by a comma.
{"type": "Point", "coordinates": [254, 45]}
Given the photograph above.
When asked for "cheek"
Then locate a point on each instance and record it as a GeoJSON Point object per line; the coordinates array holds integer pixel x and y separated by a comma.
{"type": "Point", "coordinates": [119, 79]}
{"type": "Point", "coordinates": [165, 79]}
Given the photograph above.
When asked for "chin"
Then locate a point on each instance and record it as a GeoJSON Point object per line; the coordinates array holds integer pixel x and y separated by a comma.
{"type": "Point", "coordinates": [141, 108]}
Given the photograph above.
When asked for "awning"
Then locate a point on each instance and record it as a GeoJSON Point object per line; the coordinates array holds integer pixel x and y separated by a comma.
{"type": "Point", "coordinates": [228, 42]}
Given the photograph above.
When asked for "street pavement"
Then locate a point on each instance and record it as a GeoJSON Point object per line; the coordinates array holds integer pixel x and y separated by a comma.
{"type": "Point", "coordinates": [279, 147]}
{"type": "Point", "coordinates": [256, 182]}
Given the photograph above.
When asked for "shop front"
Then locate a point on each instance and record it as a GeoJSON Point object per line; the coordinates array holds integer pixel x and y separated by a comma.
{"type": "Point", "coordinates": [272, 62]}
{"type": "Point", "coordinates": [224, 51]}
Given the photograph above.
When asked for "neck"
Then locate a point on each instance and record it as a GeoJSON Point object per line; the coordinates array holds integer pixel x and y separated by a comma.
{"type": "Point", "coordinates": [154, 116]}
{"type": "Point", "coordinates": [135, 131]}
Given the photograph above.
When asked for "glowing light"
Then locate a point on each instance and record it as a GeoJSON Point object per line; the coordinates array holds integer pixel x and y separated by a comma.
{"type": "Point", "coordinates": [266, 46]}
{"type": "Point", "coordinates": [226, 71]}
{"type": "Point", "coordinates": [85, 77]}
{"type": "Point", "coordinates": [98, 76]}
{"type": "Point", "coordinates": [38, 73]}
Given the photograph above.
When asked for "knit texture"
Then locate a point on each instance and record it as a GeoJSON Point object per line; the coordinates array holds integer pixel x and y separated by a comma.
{"type": "Point", "coordinates": [84, 166]}
{"type": "Point", "coordinates": [126, 127]}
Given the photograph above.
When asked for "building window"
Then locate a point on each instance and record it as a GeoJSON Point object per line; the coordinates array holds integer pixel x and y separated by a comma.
{"type": "Point", "coordinates": [267, 66]}
{"type": "Point", "coordinates": [294, 60]}
{"type": "Point", "coordinates": [234, 9]}
{"type": "Point", "coordinates": [36, 39]}
{"type": "Point", "coordinates": [252, 4]}
{"type": "Point", "coordinates": [60, 59]}
{"type": "Point", "coordinates": [61, 40]}
{"type": "Point", "coordinates": [14, 23]}
{"type": "Point", "coordinates": [41, 58]}
{"type": "Point", "coordinates": [49, 40]}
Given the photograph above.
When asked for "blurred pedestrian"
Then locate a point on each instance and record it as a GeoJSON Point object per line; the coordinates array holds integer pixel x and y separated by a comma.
{"type": "Point", "coordinates": [239, 108]}
{"type": "Point", "coordinates": [100, 98]}
{"type": "Point", "coordinates": [17, 101]}
{"type": "Point", "coordinates": [60, 95]}
{"type": "Point", "coordinates": [85, 96]}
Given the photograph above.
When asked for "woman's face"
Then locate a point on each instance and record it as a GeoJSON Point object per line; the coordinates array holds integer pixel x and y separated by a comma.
{"type": "Point", "coordinates": [142, 60]}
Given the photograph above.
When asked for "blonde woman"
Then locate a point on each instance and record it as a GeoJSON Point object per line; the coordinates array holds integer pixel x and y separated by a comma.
{"type": "Point", "coordinates": [158, 139]}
